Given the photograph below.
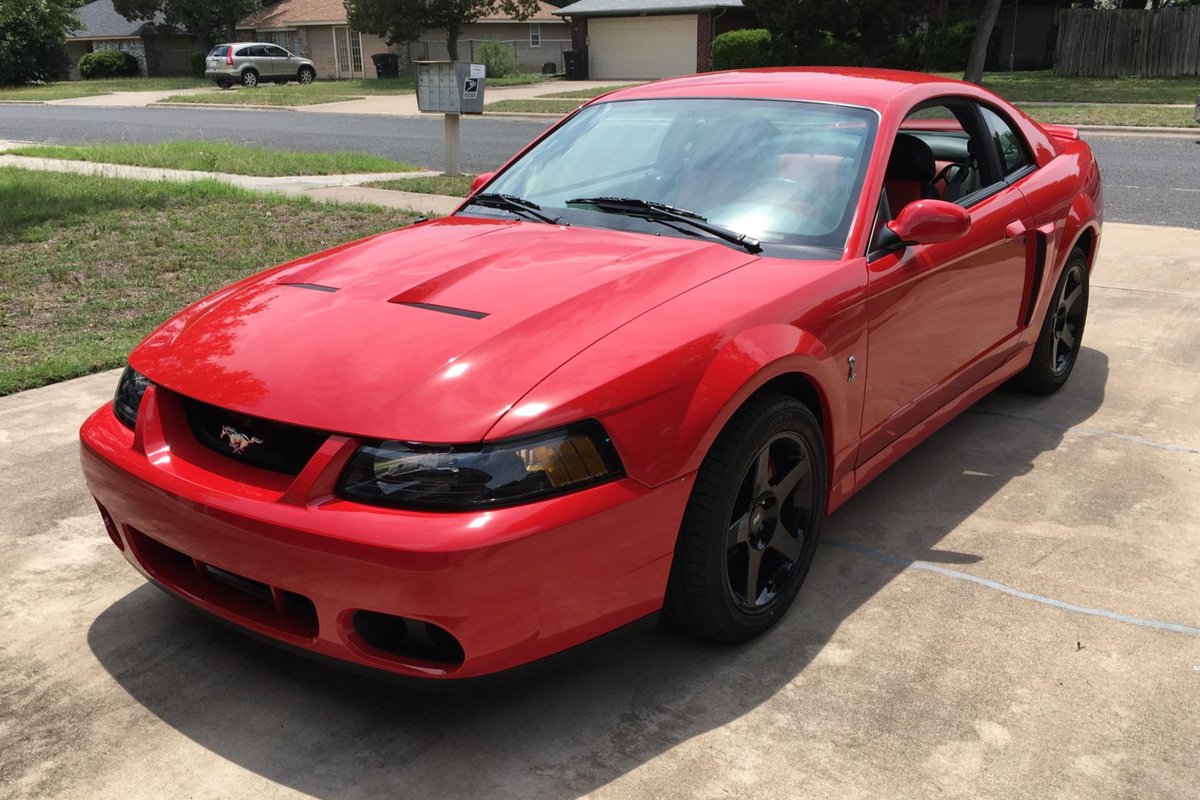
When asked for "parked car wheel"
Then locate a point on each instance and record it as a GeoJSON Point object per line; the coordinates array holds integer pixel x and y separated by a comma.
{"type": "Point", "coordinates": [1061, 336]}
{"type": "Point", "coordinates": [306, 75]}
{"type": "Point", "coordinates": [752, 522]}
{"type": "Point", "coordinates": [250, 78]}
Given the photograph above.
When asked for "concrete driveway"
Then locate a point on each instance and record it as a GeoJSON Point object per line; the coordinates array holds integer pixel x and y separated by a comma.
{"type": "Point", "coordinates": [1012, 611]}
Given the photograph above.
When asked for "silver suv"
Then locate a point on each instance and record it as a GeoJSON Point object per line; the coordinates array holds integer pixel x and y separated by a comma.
{"type": "Point", "coordinates": [251, 63]}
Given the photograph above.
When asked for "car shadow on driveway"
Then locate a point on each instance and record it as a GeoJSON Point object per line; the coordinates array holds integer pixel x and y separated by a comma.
{"type": "Point", "coordinates": [332, 734]}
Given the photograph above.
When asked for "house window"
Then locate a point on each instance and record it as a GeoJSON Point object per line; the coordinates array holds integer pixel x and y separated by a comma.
{"type": "Point", "coordinates": [535, 35]}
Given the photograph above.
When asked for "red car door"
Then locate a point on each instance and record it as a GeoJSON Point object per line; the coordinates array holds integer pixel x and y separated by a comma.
{"type": "Point", "coordinates": [942, 316]}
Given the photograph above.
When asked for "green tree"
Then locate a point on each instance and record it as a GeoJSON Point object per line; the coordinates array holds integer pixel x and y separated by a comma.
{"type": "Point", "coordinates": [839, 31]}
{"type": "Point", "coordinates": [211, 21]}
{"type": "Point", "coordinates": [401, 21]}
{"type": "Point", "coordinates": [32, 33]}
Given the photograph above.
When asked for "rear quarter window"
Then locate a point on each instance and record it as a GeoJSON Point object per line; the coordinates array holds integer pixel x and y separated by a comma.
{"type": "Point", "coordinates": [219, 51]}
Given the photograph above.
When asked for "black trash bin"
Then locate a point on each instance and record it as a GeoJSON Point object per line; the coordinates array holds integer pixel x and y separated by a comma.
{"type": "Point", "coordinates": [387, 65]}
{"type": "Point", "coordinates": [575, 65]}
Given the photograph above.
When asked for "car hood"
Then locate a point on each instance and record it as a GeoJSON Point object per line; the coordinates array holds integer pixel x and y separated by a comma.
{"type": "Point", "coordinates": [429, 333]}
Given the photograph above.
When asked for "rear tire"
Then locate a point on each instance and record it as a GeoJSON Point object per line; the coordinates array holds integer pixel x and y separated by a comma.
{"type": "Point", "coordinates": [752, 523]}
{"type": "Point", "coordinates": [250, 79]}
{"type": "Point", "coordinates": [1061, 337]}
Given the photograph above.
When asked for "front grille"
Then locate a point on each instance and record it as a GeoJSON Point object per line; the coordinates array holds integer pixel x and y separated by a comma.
{"type": "Point", "coordinates": [258, 442]}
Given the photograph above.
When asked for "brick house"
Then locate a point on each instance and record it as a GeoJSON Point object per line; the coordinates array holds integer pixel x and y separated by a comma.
{"type": "Point", "coordinates": [160, 50]}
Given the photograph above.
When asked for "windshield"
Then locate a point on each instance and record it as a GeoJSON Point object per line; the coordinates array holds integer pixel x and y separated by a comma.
{"type": "Point", "coordinates": [787, 173]}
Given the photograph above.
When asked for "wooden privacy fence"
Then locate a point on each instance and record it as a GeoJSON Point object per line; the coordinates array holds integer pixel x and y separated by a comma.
{"type": "Point", "coordinates": [1149, 44]}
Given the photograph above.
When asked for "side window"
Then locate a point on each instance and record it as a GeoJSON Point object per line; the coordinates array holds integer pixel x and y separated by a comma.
{"type": "Point", "coordinates": [934, 156]}
{"type": "Point", "coordinates": [535, 35]}
{"type": "Point", "coordinates": [277, 52]}
{"type": "Point", "coordinates": [1011, 149]}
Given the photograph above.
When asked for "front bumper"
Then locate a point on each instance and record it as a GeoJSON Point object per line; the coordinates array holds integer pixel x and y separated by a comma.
{"type": "Point", "coordinates": [288, 560]}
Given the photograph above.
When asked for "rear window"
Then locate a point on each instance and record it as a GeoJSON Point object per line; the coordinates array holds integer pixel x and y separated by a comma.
{"type": "Point", "coordinates": [219, 51]}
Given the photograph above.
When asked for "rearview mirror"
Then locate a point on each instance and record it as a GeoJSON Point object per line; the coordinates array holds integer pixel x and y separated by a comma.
{"type": "Point", "coordinates": [927, 222]}
{"type": "Point", "coordinates": [480, 180]}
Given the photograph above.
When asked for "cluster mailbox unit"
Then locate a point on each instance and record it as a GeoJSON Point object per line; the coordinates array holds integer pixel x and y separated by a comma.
{"type": "Point", "coordinates": [451, 88]}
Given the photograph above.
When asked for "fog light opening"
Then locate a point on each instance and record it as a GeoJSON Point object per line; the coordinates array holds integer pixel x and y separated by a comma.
{"type": "Point", "coordinates": [395, 636]}
{"type": "Point", "coordinates": [110, 526]}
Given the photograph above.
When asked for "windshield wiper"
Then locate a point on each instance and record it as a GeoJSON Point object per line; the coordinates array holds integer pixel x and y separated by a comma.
{"type": "Point", "coordinates": [661, 212]}
{"type": "Point", "coordinates": [510, 202]}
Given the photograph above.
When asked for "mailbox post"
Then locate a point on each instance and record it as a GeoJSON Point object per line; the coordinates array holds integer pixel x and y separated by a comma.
{"type": "Point", "coordinates": [451, 88]}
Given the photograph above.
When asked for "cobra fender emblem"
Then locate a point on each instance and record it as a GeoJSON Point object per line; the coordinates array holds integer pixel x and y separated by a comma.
{"type": "Point", "coordinates": [238, 442]}
{"type": "Point", "coordinates": [853, 369]}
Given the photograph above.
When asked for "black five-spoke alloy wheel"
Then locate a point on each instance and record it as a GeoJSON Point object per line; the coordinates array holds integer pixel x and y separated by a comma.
{"type": "Point", "coordinates": [752, 522]}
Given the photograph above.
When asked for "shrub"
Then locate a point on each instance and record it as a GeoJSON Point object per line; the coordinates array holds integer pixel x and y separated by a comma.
{"type": "Point", "coordinates": [198, 65]}
{"type": "Point", "coordinates": [499, 58]}
{"type": "Point", "coordinates": [107, 64]}
{"type": "Point", "coordinates": [742, 49]}
{"type": "Point", "coordinates": [943, 48]}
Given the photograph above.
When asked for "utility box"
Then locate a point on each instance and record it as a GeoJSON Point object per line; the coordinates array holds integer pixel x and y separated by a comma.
{"type": "Point", "coordinates": [450, 87]}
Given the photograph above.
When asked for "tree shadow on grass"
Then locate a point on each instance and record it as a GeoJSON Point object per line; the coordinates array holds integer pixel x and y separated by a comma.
{"type": "Point", "coordinates": [332, 734]}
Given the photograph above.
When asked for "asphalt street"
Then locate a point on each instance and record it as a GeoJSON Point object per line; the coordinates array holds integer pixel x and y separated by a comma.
{"type": "Point", "coordinates": [1149, 180]}
{"type": "Point", "coordinates": [486, 143]}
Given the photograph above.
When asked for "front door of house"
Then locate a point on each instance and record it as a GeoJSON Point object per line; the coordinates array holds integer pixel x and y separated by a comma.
{"type": "Point", "coordinates": [347, 44]}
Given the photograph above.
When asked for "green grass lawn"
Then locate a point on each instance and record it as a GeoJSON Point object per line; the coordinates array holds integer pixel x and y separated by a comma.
{"type": "Point", "coordinates": [220, 157]}
{"type": "Point", "coordinates": [64, 89]}
{"type": "Point", "coordinates": [1119, 115]}
{"type": "Point", "coordinates": [534, 105]}
{"type": "Point", "coordinates": [519, 79]}
{"type": "Point", "coordinates": [1042, 86]}
{"type": "Point", "coordinates": [587, 94]}
{"type": "Point", "coordinates": [89, 265]}
{"type": "Point", "coordinates": [457, 186]}
{"type": "Point", "coordinates": [293, 94]}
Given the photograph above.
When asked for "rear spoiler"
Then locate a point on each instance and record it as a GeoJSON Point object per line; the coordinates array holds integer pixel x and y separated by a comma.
{"type": "Point", "coordinates": [1061, 131]}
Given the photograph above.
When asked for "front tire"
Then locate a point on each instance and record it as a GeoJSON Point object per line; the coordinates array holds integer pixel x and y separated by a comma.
{"type": "Point", "coordinates": [250, 79]}
{"type": "Point", "coordinates": [306, 75]}
{"type": "Point", "coordinates": [1061, 337]}
{"type": "Point", "coordinates": [752, 523]}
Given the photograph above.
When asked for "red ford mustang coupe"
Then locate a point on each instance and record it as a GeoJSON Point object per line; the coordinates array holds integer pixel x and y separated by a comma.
{"type": "Point", "coordinates": [631, 374]}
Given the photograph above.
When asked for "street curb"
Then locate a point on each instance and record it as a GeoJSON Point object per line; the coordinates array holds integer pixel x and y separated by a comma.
{"type": "Point", "coordinates": [1130, 130]}
{"type": "Point", "coordinates": [233, 106]}
{"type": "Point", "coordinates": [23, 102]}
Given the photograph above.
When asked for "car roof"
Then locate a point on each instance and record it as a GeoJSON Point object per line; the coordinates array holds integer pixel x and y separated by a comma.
{"type": "Point", "coordinates": [871, 88]}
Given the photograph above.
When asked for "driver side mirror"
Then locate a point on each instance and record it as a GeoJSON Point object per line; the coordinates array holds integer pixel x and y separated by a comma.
{"type": "Point", "coordinates": [925, 222]}
{"type": "Point", "coordinates": [480, 180]}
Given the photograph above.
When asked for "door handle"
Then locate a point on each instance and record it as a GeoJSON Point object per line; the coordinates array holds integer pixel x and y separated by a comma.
{"type": "Point", "coordinates": [1014, 229]}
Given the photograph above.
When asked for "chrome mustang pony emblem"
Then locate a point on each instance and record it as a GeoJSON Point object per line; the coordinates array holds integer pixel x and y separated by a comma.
{"type": "Point", "coordinates": [238, 442]}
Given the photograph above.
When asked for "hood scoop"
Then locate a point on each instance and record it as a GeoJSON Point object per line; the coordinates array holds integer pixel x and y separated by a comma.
{"type": "Point", "coordinates": [458, 312]}
{"type": "Point", "coordinates": [316, 287]}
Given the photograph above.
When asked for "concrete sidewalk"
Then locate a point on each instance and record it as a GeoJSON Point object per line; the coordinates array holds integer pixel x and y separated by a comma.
{"type": "Point", "coordinates": [326, 188]}
{"type": "Point", "coordinates": [123, 99]}
{"type": "Point", "coordinates": [988, 619]}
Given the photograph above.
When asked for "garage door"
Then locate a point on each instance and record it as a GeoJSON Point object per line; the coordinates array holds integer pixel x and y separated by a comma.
{"type": "Point", "coordinates": [641, 47]}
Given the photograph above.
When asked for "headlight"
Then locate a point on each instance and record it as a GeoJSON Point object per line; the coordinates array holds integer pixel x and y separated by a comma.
{"type": "Point", "coordinates": [129, 396]}
{"type": "Point", "coordinates": [464, 477]}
